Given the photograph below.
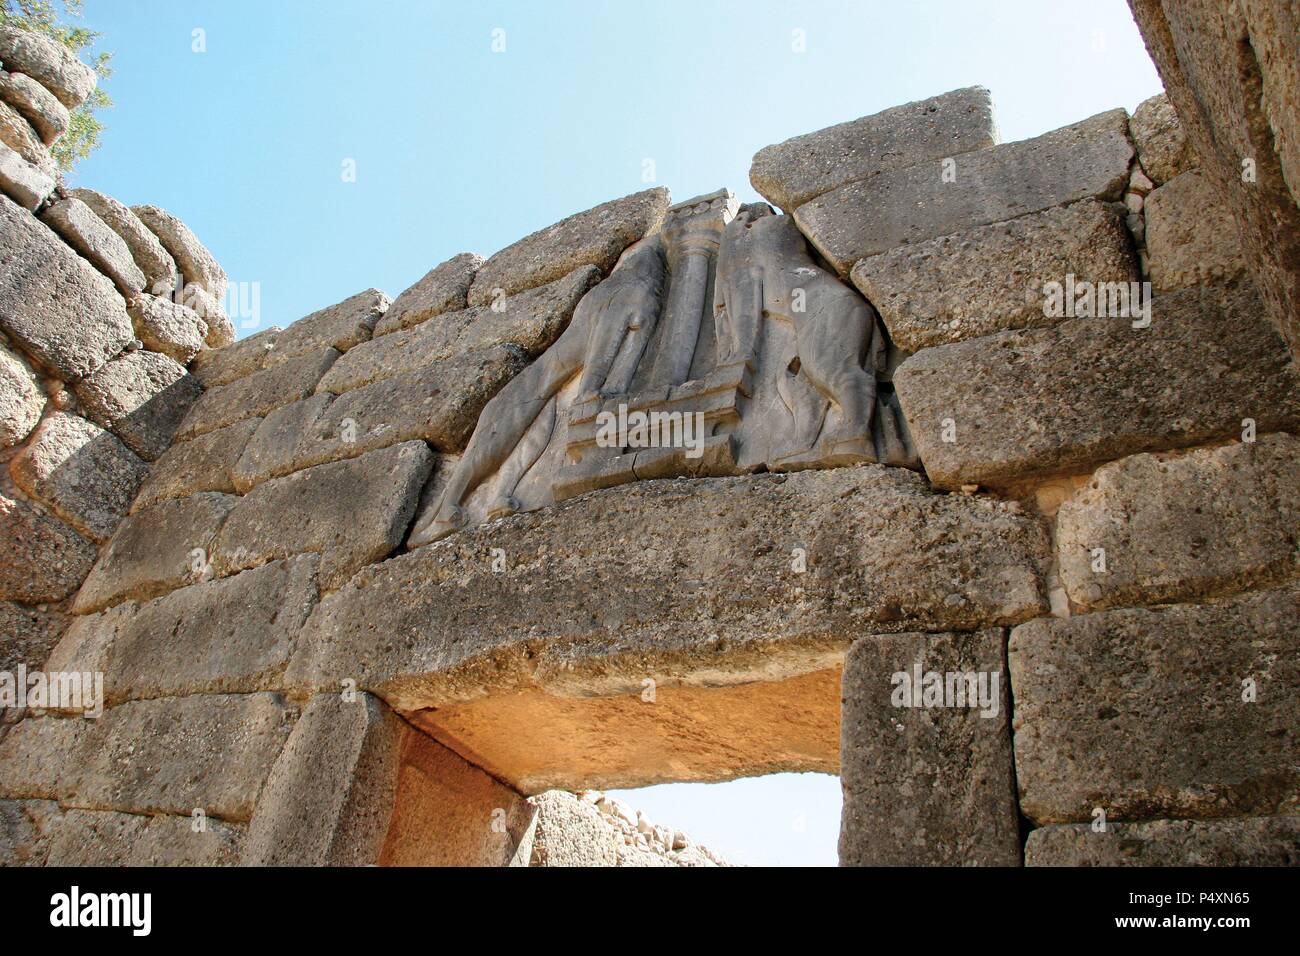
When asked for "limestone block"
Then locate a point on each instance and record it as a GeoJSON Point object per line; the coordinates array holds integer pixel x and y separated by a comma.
{"type": "Point", "coordinates": [992, 278]}
{"type": "Point", "coordinates": [273, 449]}
{"type": "Point", "coordinates": [445, 288]}
{"type": "Point", "coordinates": [221, 366]}
{"type": "Point", "coordinates": [19, 135]}
{"type": "Point", "coordinates": [1244, 841]}
{"type": "Point", "coordinates": [1162, 145]}
{"type": "Point", "coordinates": [1216, 521]}
{"type": "Point", "coordinates": [532, 321]}
{"type": "Point", "coordinates": [572, 832]}
{"type": "Point", "coordinates": [101, 246]}
{"type": "Point", "coordinates": [154, 551]}
{"type": "Point", "coordinates": [1087, 391]}
{"type": "Point", "coordinates": [1191, 238]}
{"type": "Point", "coordinates": [80, 472]}
{"type": "Point", "coordinates": [1089, 159]}
{"type": "Point", "coordinates": [160, 272]}
{"type": "Point", "coordinates": [196, 263]}
{"type": "Point", "coordinates": [174, 755]}
{"type": "Point", "coordinates": [206, 463]}
{"type": "Point", "coordinates": [22, 182]}
{"type": "Point", "coordinates": [357, 785]}
{"type": "Point", "coordinates": [928, 782]}
{"type": "Point", "coordinates": [47, 62]}
{"type": "Point", "coordinates": [221, 331]}
{"type": "Point", "coordinates": [43, 560]}
{"type": "Point", "coordinates": [21, 398]}
{"type": "Point", "coordinates": [105, 838]}
{"type": "Point", "coordinates": [351, 512]}
{"type": "Point", "coordinates": [340, 327]}
{"type": "Point", "coordinates": [36, 104]}
{"type": "Point", "coordinates": [54, 303]}
{"type": "Point", "coordinates": [24, 831]}
{"type": "Point", "coordinates": [27, 635]}
{"type": "Point", "coordinates": [167, 327]}
{"type": "Point", "coordinates": [593, 238]}
{"type": "Point", "coordinates": [1141, 712]}
{"type": "Point", "coordinates": [141, 398]}
{"type": "Point", "coordinates": [228, 636]}
{"type": "Point", "coordinates": [791, 173]}
{"type": "Point", "coordinates": [257, 395]}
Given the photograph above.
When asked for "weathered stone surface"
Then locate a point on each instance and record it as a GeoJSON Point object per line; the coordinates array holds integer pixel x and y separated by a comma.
{"type": "Point", "coordinates": [273, 449]}
{"type": "Point", "coordinates": [206, 463]}
{"type": "Point", "coordinates": [221, 366]}
{"type": "Point", "coordinates": [1216, 521]}
{"type": "Point", "coordinates": [43, 559]}
{"type": "Point", "coordinates": [927, 785]}
{"type": "Point", "coordinates": [1091, 390]}
{"type": "Point", "coordinates": [21, 137]}
{"type": "Point", "coordinates": [1162, 146]}
{"type": "Point", "coordinates": [228, 636]}
{"type": "Point", "coordinates": [25, 184]}
{"type": "Point", "coordinates": [175, 755]}
{"type": "Point", "coordinates": [141, 398]}
{"type": "Point", "coordinates": [28, 635]}
{"type": "Point", "coordinates": [53, 302]}
{"type": "Point", "coordinates": [81, 472]}
{"type": "Point", "coordinates": [1246, 841]}
{"type": "Point", "coordinates": [257, 395]}
{"type": "Point", "coordinates": [1141, 712]}
{"type": "Point", "coordinates": [445, 288]}
{"type": "Point", "coordinates": [196, 263]}
{"type": "Point", "coordinates": [89, 235]}
{"type": "Point", "coordinates": [21, 398]}
{"type": "Point", "coordinates": [154, 551]}
{"type": "Point", "coordinates": [24, 826]}
{"type": "Point", "coordinates": [221, 331]}
{"type": "Point", "coordinates": [532, 321]}
{"type": "Point", "coordinates": [571, 832]}
{"type": "Point", "coordinates": [351, 512]}
{"type": "Point", "coordinates": [340, 327]}
{"type": "Point", "coordinates": [593, 238]}
{"type": "Point", "coordinates": [804, 167]}
{"type": "Point", "coordinates": [160, 272]}
{"type": "Point", "coordinates": [105, 838]}
{"type": "Point", "coordinates": [51, 64]}
{"type": "Point", "coordinates": [991, 278]}
{"type": "Point", "coordinates": [167, 327]}
{"type": "Point", "coordinates": [1087, 160]}
{"type": "Point", "coordinates": [37, 105]}
{"type": "Point", "coordinates": [730, 631]}
{"type": "Point", "coordinates": [1191, 238]}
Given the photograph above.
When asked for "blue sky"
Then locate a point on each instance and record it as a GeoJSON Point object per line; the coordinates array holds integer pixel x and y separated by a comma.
{"type": "Point", "coordinates": [459, 148]}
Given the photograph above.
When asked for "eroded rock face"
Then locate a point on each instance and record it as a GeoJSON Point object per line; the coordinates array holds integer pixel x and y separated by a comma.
{"type": "Point", "coordinates": [44, 560]}
{"type": "Point", "coordinates": [445, 288]}
{"type": "Point", "coordinates": [1190, 236]}
{"type": "Point", "coordinates": [1161, 144]}
{"type": "Point", "coordinates": [1246, 841]}
{"type": "Point", "coordinates": [51, 64]}
{"type": "Point", "coordinates": [21, 398]}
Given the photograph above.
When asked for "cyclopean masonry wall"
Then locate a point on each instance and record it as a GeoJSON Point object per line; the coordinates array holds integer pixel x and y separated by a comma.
{"type": "Point", "coordinates": [392, 585]}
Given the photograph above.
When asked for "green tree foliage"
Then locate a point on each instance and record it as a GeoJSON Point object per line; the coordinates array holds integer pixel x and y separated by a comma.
{"type": "Point", "coordinates": [56, 20]}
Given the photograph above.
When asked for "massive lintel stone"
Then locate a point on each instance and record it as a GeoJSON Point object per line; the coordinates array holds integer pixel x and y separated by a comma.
{"type": "Point", "coordinates": [1191, 238]}
{"type": "Point", "coordinates": [445, 288]}
{"type": "Point", "coordinates": [82, 473]}
{"type": "Point", "coordinates": [531, 321]}
{"type": "Point", "coordinates": [156, 550]}
{"type": "Point", "coordinates": [89, 235]}
{"type": "Point", "coordinates": [928, 782]}
{"type": "Point", "coordinates": [174, 755]}
{"type": "Point", "coordinates": [710, 602]}
{"type": "Point", "coordinates": [22, 400]}
{"type": "Point", "coordinates": [1162, 145]}
{"type": "Point", "coordinates": [350, 512]}
{"type": "Point", "coordinates": [1087, 160]}
{"type": "Point", "coordinates": [992, 278]}
{"type": "Point", "coordinates": [238, 360]}
{"type": "Point", "coordinates": [257, 395]}
{"type": "Point", "coordinates": [106, 838]}
{"type": "Point", "coordinates": [43, 559]}
{"type": "Point", "coordinates": [1187, 712]}
{"type": "Point", "coordinates": [357, 785]}
{"type": "Point", "coordinates": [439, 404]}
{"type": "Point", "coordinates": [1245, 841]}
{"type": "Point", "coordinates": [53, 302]}
{"type": "Point", "coordinates": [196, 263]}
{"type": "Point", "coordinates": [791, 173]}
{"type": "Point", "coordinates": [25, 184]}
{"type": "Point", "coordinates": [1029, 404]}
{"type": "Point", "coordinates": [1216, 521]}
{"type": "Point", "coordinates": [141, 398]}
{"type": "Point", "coordinates": [206, 463]}
{"type": "Point", "coordinates": [593, 238]}
{"type": "Point", "coordinates": [155, 262]}
{"type": "Point", "coordinates": [36, 104]}
{"type": "Point", "coordinates": [228, 636]}
{"type": "Point", "coordinates": [47, 62]}
{"type": "Point", "coordinates": [339, 326]}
